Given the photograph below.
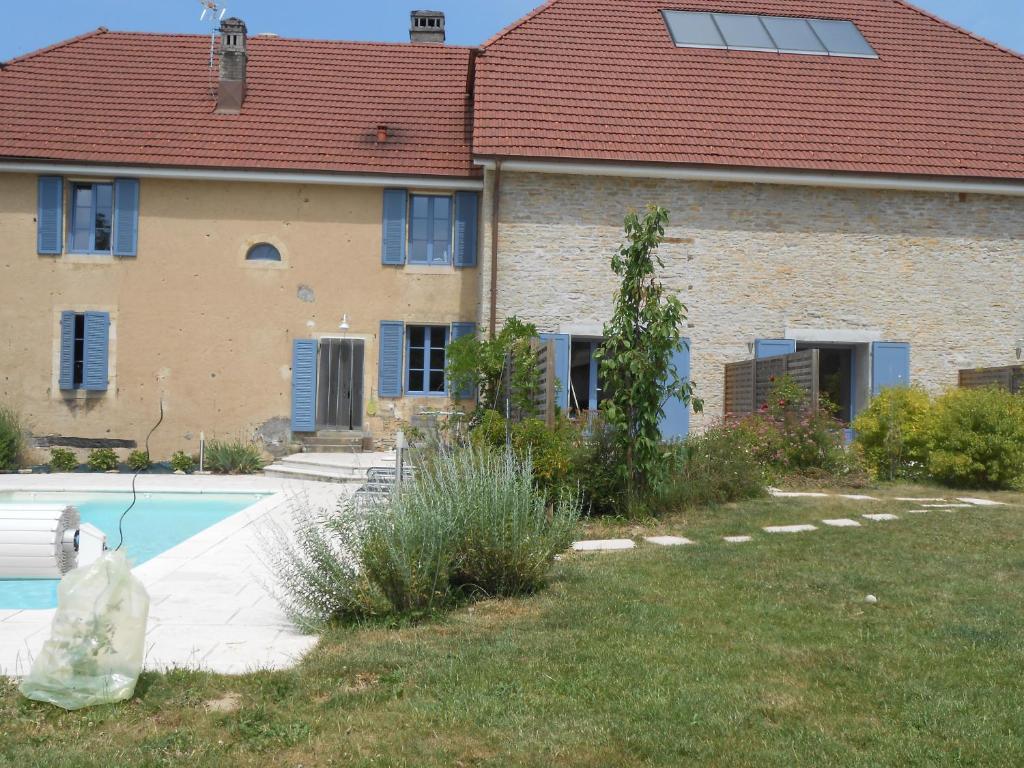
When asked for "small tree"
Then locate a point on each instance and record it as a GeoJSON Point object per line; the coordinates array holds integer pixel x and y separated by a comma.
{"type": "Point", "coordinates": [480, 363]}
{"type": "Point", "coordinates": [636, 358]}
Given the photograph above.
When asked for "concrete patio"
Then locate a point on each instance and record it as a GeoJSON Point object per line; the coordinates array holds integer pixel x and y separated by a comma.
{"type": "Point", "coordinates": [209, 607]}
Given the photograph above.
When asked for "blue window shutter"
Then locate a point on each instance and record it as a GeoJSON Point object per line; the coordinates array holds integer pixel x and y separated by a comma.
{"type": "Point", "coordinates": [304, 353]}
{"type": "Point", "coordinates": [67, 350]}
{"type": "Point", "coordinates": [96, 356]}
{"type": "Point", "coordinates": [126, 217]}
{"type": "Point", "coordinates": [890, 365]}
{"type": "Point", "coordinates": [467, 207]}
{"type": "Point", "coordinates": [773, 347]}
{"type": "Point", "coordinates": [458, 331]}
{"type": "Point", "coordinates": [675, 418]}
{"type": "Point", "coordinates": [561, 366]}
{"type": "Point", "coordinates": [393, 235]}
{"type": "Point", "coordinates": [50, 216]}
{"type": "Point", "coordinates": [389, 358]}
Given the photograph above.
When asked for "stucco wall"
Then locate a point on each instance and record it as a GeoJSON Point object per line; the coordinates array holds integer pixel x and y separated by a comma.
{"type": "Point", "coordinates": [196, 325]}
{"type": "Point", "coordinates": [944, 272]}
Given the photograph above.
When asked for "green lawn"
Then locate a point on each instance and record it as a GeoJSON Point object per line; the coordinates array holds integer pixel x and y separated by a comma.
{"type": "Point", "coordinates": [760, 654]}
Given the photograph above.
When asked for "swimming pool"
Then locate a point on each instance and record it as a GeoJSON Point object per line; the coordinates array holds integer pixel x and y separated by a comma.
{"type": "Point", "coordinates": [158, 522]}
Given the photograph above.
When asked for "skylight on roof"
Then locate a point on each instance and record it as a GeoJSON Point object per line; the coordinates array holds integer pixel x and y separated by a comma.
{"type": "Point", "coordinates": [775, 34]}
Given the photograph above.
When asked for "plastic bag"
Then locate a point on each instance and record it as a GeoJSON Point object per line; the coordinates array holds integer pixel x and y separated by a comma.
{"type": "Point", "coordinates": [96, 647]}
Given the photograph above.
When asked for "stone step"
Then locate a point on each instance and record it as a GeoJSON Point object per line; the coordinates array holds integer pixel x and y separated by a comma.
{"type": "Point", "coordinates": [332, 448]}
{"type": "Point", "coordinates": [344, 438]}
{"type": "Point", "coordinates": [318, 473]}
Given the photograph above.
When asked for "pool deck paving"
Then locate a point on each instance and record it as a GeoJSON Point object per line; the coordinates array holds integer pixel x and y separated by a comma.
{"type": "Point", "coordinates": [210, 607]}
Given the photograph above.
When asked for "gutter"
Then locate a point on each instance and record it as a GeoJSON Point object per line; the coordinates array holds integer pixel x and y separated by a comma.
{"type": "Point", "coordinates": [495, 207]}
{"type": "Point", "coordinates": [266, 177]}
{"type": "Point", "coordinates": [750, 176]}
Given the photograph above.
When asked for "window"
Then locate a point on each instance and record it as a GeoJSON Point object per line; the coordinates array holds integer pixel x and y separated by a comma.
{"type": "Point", "coordinates": [430, 229]}
{"type": "Point", "coordinates": [263, 252]}
{"type": "Point", "coordinates": [426, 356]}
{"type": "Point", "coordinates": [92, 213]}
{"type": "Point", "coordinates": [84, 351]}
{"type": "Point", "coordinates": [777, 34]}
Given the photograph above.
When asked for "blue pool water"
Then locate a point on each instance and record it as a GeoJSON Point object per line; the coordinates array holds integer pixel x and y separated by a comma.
{"type": "Point", "coordinates": [158, 522]}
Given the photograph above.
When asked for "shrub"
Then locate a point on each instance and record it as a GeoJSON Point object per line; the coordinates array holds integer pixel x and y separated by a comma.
{"type": "Point", "coordinates": [318, 568]}
{"type": "Point", "coordinates": [102, 460]}
{"type": "Point", "coordinates": [63, 460]}
{"type": "Point", "coordinates": [138, 461]}
{"type": "Point", "coordinates": [471, 523]}
{"type": "Point", "coordinates": [892, 433]}
{"type": "Point", "coordinates": [977, 439]}
{"type": "Point", "coordinates": [789, 438]}
{"type": "Point", "coordinates": [479, 363]}
{"type": "Point", "coordinates": [595, 468]}
{"type": "Point", "coordinates": [182, 462]}
{"type": "Point", "coordinates": [716, 467]}
{"type": "Point", "coordinates": [551, 450]}
{"type": "Point", "coordinates": [12, 439]}
{"type": "Point", "coordinates": [233, 457]}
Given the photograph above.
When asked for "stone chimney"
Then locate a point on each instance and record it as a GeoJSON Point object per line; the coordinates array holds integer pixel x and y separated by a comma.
{"type": "Point", "coordinates": [426, 27]}
{"type": "Point", "coordinates": [233, 60]}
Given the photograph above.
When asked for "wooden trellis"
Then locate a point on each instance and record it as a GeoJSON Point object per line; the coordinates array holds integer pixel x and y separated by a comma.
{"type": "Point", "coordinates": [748, 383]}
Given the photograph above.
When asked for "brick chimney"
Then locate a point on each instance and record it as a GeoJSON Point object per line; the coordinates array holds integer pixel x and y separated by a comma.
{"type": "Point", "coordinates": [233, 59]}
{"type": "Point", "coordinates": [426, 27]}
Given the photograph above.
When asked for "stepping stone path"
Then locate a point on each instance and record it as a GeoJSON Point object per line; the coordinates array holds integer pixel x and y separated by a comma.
{"type": "Point", "coordinates": [668, 541]}
{"type": "Point", "coordinates": [606, 545]}
{"type": "Point", "coordinates": [603, 545]}
{"type": "Point", "coordinates": [790, 528]}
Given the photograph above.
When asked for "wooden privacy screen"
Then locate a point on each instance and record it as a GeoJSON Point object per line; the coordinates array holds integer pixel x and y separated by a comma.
{"type": "Point", "coordinates": [1009, 377]}
{"type": "Point", "coordinates": [545, 397]}
{"type": "Point", "coordinates": [748, 383]}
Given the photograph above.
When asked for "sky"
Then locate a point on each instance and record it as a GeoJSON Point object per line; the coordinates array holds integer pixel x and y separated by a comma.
{"type": "Point", "coordinates": [32, 24]}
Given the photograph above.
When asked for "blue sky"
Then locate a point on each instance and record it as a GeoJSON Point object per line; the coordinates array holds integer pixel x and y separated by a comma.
{"type": "Point", "coordinates": [31, 25]}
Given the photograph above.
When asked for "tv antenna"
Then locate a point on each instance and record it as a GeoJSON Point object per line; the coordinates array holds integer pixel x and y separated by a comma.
{"type": "Point", "coordinates": [214, 13]}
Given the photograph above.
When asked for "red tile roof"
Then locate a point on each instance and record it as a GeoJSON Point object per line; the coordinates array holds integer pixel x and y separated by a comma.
{"type": "Point", "coordinates": [602, 80]}
{"type": "Point", "coordinates": [130, 98]}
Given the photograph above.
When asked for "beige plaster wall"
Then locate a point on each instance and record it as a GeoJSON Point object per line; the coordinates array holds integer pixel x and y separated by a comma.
{"type": "Point", "coordinates": [193, 323]}
{"type": "Point", "coordinates": [942, 271]}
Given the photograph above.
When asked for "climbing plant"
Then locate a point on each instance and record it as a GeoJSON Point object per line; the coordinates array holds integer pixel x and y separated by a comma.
{"type": "Point", "coordinates": [480, 363]}
{"type": "Point", "coordinates": [636, 359]}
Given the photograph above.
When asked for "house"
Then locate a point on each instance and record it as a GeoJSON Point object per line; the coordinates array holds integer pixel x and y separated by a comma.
{"type": "Point", "coordinates": [273, 236]}
{"type": "Point", "coordinates": [282, 236]}
{"type": "Point", "coordinates": [843, 176]}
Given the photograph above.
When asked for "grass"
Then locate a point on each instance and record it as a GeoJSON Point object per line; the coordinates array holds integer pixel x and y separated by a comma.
{"type": "Point", "coordinates": [762, 654]}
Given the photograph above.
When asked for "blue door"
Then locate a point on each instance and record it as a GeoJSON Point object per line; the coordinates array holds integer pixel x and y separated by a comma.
{"type": "Point", "coordinates": [890, 365]}
{"type": "Point", "coordinates": [675, 420]}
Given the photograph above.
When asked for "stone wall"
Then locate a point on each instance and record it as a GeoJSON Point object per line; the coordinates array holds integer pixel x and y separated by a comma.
{"type": "Point", "coordinates": [944, 272]}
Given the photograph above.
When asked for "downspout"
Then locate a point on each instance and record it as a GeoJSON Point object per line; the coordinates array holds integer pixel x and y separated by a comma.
{"type": "Point", "coordinates": [495, 206]}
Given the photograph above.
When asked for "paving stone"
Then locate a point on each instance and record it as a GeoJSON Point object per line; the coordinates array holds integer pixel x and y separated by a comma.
{"type": "Point", "coordinates": [918, 511]}
{"type": "Point", "coordinates": [909, 498]}
{"type": "Point", "coordinates": [857, 497]}
{"type": "Point", "coordinates": [791, 528]}
{"type": "Point", "coordinates": [603, 545]}
{"type": "Point", "coordinates": [842, 522]}
{"type": "Point", "coordinates": [797, 494]}
{"type": "Point", "coordinates": [738, 539]}
{"type": "Point", "coordinates": [881, 516]}
{"type": "Point", "coordinates": [668, 541]}
{"type": "Point", "coordinates": [983, 502]}
{"type": "Point", "coordinates": [947, 506]}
